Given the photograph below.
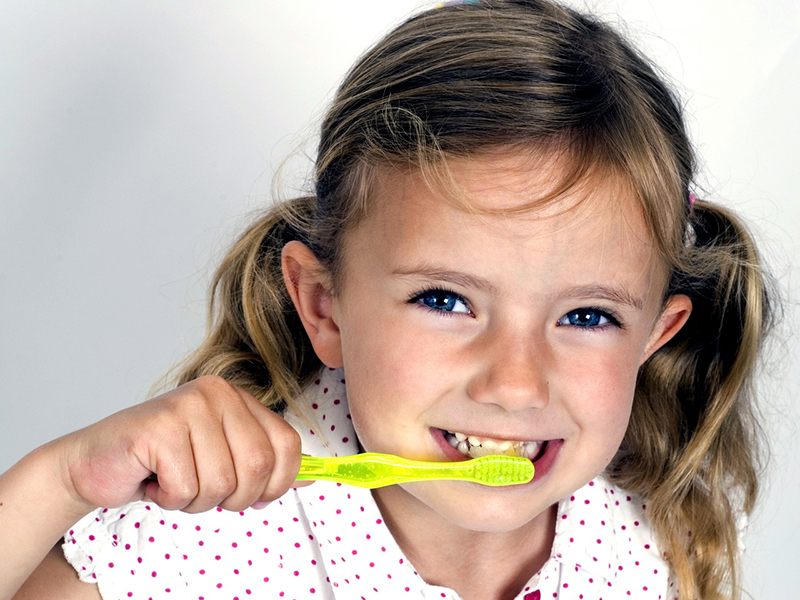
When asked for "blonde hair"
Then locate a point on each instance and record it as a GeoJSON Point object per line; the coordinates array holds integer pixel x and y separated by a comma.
{"type": "Point", "coordinates": [530, 75]}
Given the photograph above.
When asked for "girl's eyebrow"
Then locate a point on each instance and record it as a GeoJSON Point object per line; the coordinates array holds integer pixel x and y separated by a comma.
{"type": "Point", "coordinates": [604, 292]}
{"type": "Point", "coordinates": [454, 277]}
{"type": "Point", "coordinates": [618, 295]}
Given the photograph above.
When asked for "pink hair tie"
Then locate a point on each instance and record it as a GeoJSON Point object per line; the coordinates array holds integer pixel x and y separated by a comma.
{"type": "Point", "coordinates": [692, 199]}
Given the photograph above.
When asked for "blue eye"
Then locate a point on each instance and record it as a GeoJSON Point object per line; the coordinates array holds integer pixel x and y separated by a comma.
{"type": "Point", "coordinates": [442, 301]}
{"type": "Point", "coordinates": [588, 318]}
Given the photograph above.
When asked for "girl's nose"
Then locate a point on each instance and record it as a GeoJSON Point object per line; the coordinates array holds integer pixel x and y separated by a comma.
{"type": "Point", "coordinates": [511, 373]}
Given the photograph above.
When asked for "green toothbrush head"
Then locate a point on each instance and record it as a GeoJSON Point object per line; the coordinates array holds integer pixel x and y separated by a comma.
{"type": "Point", "coordinates": [497, 470]}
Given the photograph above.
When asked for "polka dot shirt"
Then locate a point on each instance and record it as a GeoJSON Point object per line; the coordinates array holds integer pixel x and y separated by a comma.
{"type": "Point", "coordinates": [329, 541]}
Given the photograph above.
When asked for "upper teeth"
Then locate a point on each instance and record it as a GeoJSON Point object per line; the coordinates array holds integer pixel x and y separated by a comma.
{"type": "Point", "coordinates": [475, 446]}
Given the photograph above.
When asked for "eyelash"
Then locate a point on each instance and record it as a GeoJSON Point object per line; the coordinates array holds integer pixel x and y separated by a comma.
{"type": "Point", "coordinates": [416, 298]}
{"type": "Point", "coordinates": [613, 320]}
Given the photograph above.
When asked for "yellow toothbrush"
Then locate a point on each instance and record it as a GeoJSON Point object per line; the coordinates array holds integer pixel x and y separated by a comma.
{"type": "Point", "coordinates": [372, 470]}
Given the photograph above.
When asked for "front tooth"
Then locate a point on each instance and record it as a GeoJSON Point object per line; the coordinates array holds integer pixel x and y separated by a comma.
{"type": "Point", "coordinates": [473, 440]}
{"type": "Point", "coordinates": [503, 446]}
{"type": "Point", "coordinates": [460, 436]}
{"type": "Point", "coordinates": [490, 445]}
{"type": "Point", "coordinates": [478, 451]}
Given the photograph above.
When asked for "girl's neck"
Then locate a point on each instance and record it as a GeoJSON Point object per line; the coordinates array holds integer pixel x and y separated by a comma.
{"type": "Point", "coordinates": [476, 564]}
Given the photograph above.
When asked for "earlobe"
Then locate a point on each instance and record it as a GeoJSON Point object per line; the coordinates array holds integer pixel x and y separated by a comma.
{"type": "Point", "coordinates": [674, 316]}
{"type": "Point", "coordinates": [309, 286]}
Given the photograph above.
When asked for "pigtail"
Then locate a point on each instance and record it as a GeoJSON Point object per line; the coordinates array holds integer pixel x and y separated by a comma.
{"type": "Point", "coordinates": [256, 339]}
{"type": "Point", "coordinates": [696, 459]}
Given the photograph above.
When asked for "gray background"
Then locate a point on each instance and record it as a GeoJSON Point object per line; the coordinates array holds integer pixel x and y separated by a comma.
{"type": "Point", "coordinates": [137, 136]}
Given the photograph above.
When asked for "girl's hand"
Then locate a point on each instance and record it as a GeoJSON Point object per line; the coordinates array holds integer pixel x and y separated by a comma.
{"type": "Point", "coordinates": [210, 444]}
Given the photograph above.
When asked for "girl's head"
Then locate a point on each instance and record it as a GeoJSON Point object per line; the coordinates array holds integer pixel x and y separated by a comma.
{"type": "Point", "coordinates": [534, 146]}
{"type": "Point", "coordinates": [515, 76]}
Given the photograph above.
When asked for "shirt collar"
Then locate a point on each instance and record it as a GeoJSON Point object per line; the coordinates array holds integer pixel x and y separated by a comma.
{"type": "Point", "coordinates": [584, 535]}
{"type": "Point", "coordinates": [604, 530]}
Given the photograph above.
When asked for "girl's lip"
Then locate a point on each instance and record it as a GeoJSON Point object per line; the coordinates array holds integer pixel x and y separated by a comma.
{"type": "Point", "coordinates": [543, 464]}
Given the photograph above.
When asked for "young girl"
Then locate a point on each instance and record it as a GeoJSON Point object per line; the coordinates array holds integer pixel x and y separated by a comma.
{"type": "Point", "coordinates": [502, 254]}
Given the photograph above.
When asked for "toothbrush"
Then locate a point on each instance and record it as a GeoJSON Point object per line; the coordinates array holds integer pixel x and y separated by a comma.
{"type": "Point", "coordinates": [372, 470]}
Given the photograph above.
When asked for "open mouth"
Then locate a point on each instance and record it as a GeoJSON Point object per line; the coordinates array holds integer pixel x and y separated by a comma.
{"type": "Point", "coordinates": [475, 446]}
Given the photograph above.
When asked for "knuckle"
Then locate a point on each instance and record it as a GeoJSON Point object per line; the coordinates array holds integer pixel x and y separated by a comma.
{"type": "Point", "coordinates": [258, 465]}
{"type": "Point", "coordinates": [177, 499]}
{"type": "Point", "coordinates": [210, 388]}
{"type": "Point", "coordinates": [213, 383]}
{"type": "Point", "coordinates": [234, 505]}
{"type": "Point", "coordinates": [180, 499]}
{"type": "Point", "coordinates": [222, 486]}
{"type": "Point", "coordinates": [287, 441]}
{"type": "Point", "coordinates": [206, 394]}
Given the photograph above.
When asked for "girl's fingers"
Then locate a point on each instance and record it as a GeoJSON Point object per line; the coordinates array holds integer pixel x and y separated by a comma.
{"type": "Point", "coordinates": [253, 456]}
{"type": "Point", "coordinates": [214, 464]}
{"type": "Point", "coordinates": [177, 484]}
{"type": "Point", "coordinates": [287, 449]}
{"type": "Point", "coordinates": [281, 448]}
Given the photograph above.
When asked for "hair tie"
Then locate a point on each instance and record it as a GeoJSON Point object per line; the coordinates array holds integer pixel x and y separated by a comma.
{"type": "Point", "coordinates": [692, 199]}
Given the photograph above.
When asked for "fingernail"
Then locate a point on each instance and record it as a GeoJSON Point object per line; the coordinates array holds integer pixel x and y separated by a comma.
{"type": "Point", "coordinates": [260, 505]}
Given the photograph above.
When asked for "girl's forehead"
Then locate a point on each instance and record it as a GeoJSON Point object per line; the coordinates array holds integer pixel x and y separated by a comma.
{"type": "Point", "coordinates": [503, 201]}
{"type": "Point", "coordinates": [525, 185]}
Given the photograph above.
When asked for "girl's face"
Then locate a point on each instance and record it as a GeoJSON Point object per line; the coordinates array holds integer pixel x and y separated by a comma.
{"type": "Point", "coordinates": [528, 327]}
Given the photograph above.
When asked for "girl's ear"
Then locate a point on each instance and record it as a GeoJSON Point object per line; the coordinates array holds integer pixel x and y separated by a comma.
{"type": "Point", "coordinates": [309, 285]}
{"type": "Point", "coordinates": [672, 318]}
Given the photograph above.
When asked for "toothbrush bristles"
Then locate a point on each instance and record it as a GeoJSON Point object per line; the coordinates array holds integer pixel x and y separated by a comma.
{"type": "Point", "coordinates": [498, 470]}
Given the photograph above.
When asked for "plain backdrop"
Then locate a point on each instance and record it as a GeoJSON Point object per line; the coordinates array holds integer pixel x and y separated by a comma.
{"type": "Point", "coordinates": [136, 137]}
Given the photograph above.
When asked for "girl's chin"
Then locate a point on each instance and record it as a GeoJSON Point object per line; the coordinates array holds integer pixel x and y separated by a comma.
{"type": "Point", "coordinates": [473, 507]}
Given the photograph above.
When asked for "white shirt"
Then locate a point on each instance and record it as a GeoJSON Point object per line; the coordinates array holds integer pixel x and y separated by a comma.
{"type": "Point", "coordinates": [329, 541]}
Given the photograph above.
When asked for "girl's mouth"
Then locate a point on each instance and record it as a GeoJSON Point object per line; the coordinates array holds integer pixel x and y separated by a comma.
{"type": "Point", "coordinates": [474, 446]}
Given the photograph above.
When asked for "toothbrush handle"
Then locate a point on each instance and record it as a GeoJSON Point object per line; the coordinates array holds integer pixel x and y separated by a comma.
{"type": "Point", "coordinates": [373, 470]}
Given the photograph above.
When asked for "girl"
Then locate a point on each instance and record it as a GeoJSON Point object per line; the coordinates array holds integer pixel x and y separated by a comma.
{"type": "Point", "coordinates": [502, 252]}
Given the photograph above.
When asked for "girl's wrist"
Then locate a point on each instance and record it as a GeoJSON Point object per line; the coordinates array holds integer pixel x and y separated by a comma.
{"type": "Point", "coordinates": [60, 456]}
{"type": "Point", "coordinates": [35, 506]}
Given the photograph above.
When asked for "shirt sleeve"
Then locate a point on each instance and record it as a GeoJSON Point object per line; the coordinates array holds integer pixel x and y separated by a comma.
{"type": "Point", "coordinates": [127, 552]}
